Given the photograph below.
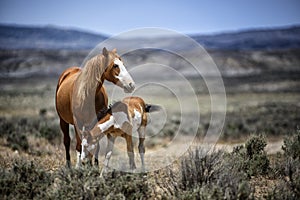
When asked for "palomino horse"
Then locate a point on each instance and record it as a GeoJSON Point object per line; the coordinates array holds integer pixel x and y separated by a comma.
{"type": "Point", "coordinates": [80, 94]}
{"type": "Point", "coordinates": [121, 119]}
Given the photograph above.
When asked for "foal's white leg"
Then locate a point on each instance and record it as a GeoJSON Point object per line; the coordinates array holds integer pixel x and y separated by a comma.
{"type": "Point", "coordinates": [109, 149]}
{"type": "Point", "coordinates": [78, 162]}
{"type": "Point", "coordinates": [141, 132]}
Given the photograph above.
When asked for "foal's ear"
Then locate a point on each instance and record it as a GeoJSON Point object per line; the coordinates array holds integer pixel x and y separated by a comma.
{"type": "Point", "coordinates": [114, 50]}
{"type": "Point", "coordinates": [105, 52]}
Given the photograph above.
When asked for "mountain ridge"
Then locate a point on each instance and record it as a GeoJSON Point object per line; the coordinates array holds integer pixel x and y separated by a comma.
{"type": "Point", "coordinates": [55, 37]}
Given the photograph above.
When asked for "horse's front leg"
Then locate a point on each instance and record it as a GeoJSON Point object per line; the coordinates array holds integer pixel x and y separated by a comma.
{"type": "Point", "coordinates": [78, 148]}
{"type": "Point", "coordinates": [109, 149]}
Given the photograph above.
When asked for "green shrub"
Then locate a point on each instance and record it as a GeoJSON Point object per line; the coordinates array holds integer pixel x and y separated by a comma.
{"type": "Point", "coordinates": [288, 170]}
{"type": "Point", "coordinates": [255, 145]}
{"type": "Point", "coordinates": [252, 158]}
{"type": "Point", "coordinates": [291, 146]}
{"type": "Point", "coordinates": [212, 176]}
{"type": "Point", "coordinates": [289, 185]}
{"type": "Point", "coordinates": [86, 183]}
{"type": "Point", "coordinates": [51, 133]}
{"type": "Point", "coordinates": [27, 180]}
{"type": "Point", "coordinates": [16, 131]}
{"type": "Point", "coordinates": [24, 180]}
{"type": "Point", "coordinates": [17, 141]}
{"type": "Point", "coordinates": [199, 168]}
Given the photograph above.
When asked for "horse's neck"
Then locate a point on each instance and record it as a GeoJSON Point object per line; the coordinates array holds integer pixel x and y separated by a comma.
{"type": "Point", "coordinates": [92, 71]}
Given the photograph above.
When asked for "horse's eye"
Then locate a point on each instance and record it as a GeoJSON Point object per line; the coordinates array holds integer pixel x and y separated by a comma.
{"type": "Point", "coordinates": [115, 66]}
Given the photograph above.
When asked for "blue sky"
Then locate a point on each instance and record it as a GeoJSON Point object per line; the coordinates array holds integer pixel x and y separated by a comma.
{"type": "Point", "coordinates": [115, 16]}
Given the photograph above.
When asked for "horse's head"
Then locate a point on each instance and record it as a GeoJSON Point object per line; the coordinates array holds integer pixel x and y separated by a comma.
{"type": "Point", "coordinates": [116, 72]}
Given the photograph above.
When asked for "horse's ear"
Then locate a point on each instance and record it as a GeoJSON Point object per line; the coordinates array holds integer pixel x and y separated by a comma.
{"type": "Point", "coordinates": [105, 52]}
{"type": "Point", "coordinates": [114, 50]}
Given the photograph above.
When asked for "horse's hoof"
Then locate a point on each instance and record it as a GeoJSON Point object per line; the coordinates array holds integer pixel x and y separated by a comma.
{"type": "Point", "coordinates": [68, 164]}
{"type": "Point", "coordinates": [132, 169]}
{"type": "Point", "coordinates": [96, 162]}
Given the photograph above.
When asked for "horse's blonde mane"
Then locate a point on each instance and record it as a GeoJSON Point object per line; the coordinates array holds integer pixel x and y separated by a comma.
{"type": "Point", "coordinates": [89, 78]}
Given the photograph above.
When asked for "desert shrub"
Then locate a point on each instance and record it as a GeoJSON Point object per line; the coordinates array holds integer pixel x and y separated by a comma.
{"type": "Point", "coordinates": [25, 180]}
{"type": "Point", "coordinates": [17, 141]}
{"type": "Point", "coordinates": [251, 157]}
{"type": "Point", "coordinates": [288, 170]}
{"type": "Point", "coordinates": [6, 126]}
{"type": "Point", "coordinates": [270, 118]}
{"type": "Point", "coordinates": [86, 184]}
{"type": "Point", "coordinates": [199, 168]}
{"type": "Point", "coordinates": [16, 130]}
{"type": "Point", "coordinates": [212, 176]}
{"type": "Point", "coordinates": [291, 146]}
{"type": "Point", "coordinates": [255, 145]}
{"type": "Point", "coordinates": [289, 184]}
{"type": "Point", "coordinates": [50, 132]}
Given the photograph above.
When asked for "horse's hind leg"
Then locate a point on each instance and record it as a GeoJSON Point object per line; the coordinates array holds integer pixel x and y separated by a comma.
{"type": "Point", "coordinates": [130, 151]}
{"type": "Point", "coordinates": [97, 154]}
{"type": "Point", "coordinates": [141, 132]}
{"type": "Point", "coordinates": [109, 149]}
{"type": "Point", "coordinates": [67, 140]}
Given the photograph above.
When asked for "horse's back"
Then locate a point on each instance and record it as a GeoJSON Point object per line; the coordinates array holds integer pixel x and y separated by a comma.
{"type": "Point", "coordinates": [68, 72]}
{"type": "Point", "coordinates": [64, 93]}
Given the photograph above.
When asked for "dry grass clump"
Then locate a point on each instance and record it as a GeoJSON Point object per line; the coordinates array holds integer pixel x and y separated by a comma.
{"type": "Point", "coordinates": [287, 170]}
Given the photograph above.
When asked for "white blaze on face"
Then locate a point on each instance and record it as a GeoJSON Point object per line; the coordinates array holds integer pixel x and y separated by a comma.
{"type": "Point", "coordinates": [124, 77]}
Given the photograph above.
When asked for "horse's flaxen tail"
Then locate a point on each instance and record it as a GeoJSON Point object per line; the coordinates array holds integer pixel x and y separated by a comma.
{"type": "Point", "coordinates": [152, 108]}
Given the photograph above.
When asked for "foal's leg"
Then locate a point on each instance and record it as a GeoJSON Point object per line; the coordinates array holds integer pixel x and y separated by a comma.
{"type": "Point", "coordinates": [141, 132]}
{"type": "Point", "coordinates": [130, 151]}
{"type": "Point", "coordinates": [109, 149]}
{"type": "Point", "coordinates": [67, 140]}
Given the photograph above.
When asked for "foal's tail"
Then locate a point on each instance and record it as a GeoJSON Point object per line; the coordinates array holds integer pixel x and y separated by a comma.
{"type": "Point", "coordinates": [152, 108]}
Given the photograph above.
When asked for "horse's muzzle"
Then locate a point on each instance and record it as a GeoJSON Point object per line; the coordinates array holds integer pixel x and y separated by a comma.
{"type": "Point", "coordinates": [129, 88]}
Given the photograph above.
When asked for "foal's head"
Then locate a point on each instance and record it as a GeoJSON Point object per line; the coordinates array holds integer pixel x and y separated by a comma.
{"type": "Point", "coordinates": [116, 72]}
{"type": "Point", "coordinates": [88, 146]}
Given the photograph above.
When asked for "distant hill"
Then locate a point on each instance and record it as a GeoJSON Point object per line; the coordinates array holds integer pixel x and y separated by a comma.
{"type": "Point", "coordinates": [47, 51]}
{"type": "Point", "coordinates": [255, 39]}
{"type": "Point", "coordinates": [50, 37]}
{"type": "Point", "coordinates": [47, 37]}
